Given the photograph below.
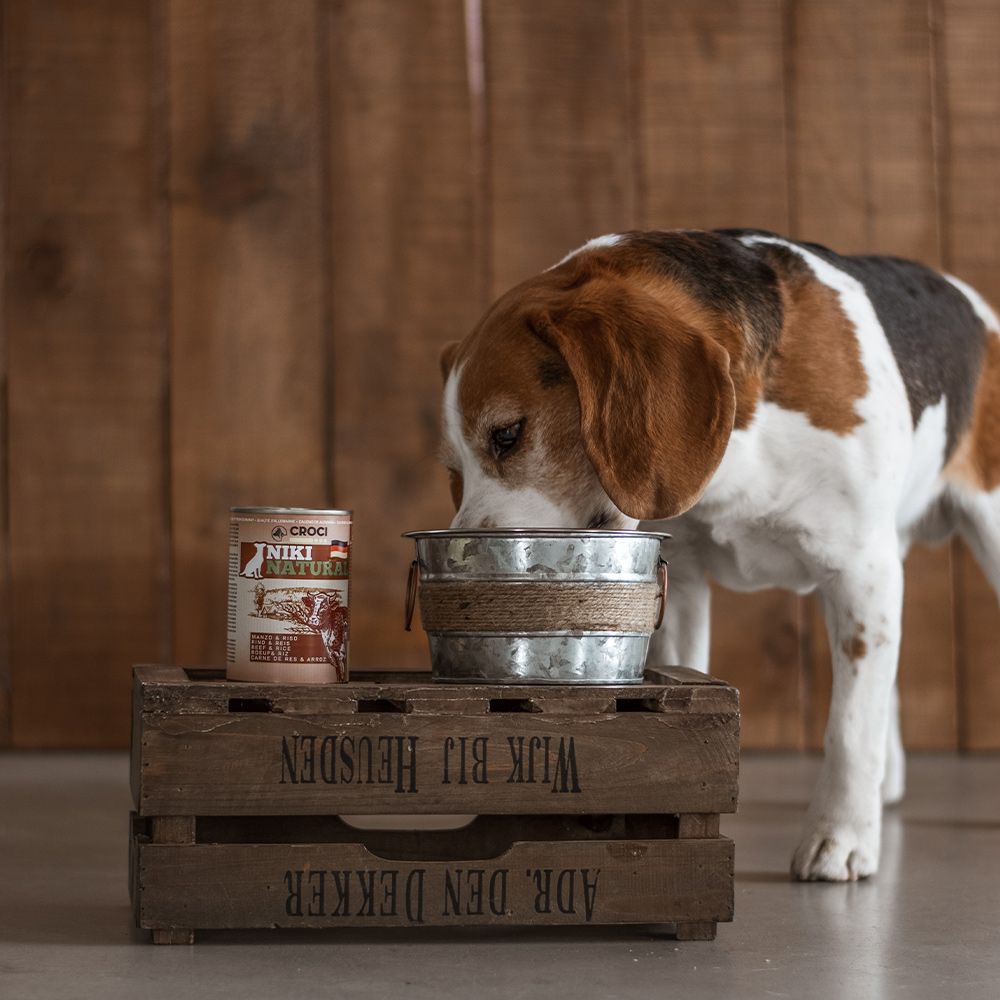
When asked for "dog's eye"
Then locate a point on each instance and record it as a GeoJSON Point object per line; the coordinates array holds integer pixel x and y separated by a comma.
{"type": "Point", "coordinates": [503, 439]}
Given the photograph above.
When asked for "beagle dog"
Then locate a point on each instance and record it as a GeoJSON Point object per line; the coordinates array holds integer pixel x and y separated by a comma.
{"type": "Point", "coordinates": [798, 417]}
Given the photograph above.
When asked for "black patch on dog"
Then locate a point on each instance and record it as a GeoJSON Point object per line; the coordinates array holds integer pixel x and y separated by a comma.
{"type": "Point", "coordinates": [552, 372]}
{"type": "Point", "coordinates": [935, 334]}
{"type": "Point", "coordinates": [719, 272]}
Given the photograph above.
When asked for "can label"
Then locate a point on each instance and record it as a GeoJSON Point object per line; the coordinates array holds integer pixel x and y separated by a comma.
{"type": "Point", "coordinates": [289, 612]}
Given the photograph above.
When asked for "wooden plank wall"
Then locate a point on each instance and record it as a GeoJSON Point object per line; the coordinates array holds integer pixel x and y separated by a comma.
{"type": "Point", "coordinates": [247, 284]}
{"type": "Point", "coordinates": [237, 233]}
{"type": "Point", "coordinates": [86, 346]}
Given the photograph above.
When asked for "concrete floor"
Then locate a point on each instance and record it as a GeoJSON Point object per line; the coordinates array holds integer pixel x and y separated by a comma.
{"type": "Point", "coordinates": [927, 926]}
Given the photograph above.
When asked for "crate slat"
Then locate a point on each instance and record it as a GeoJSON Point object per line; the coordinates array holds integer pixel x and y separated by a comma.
{"type": "Point", "coordinates": [292, 885]}
{"type": "Point", "coordinates": [205, 691]}
{"type": "Point", "coordinates": [260, 763]}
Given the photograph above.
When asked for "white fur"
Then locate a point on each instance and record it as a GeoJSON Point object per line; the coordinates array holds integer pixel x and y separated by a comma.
{"type": "Point", "coordinates": [795, 506]}
{"type": "Point", "coordinates": [922, 485]}
{"type": "Point", "coordinates": [611, 240]}
{"type": "Point", "coordinates": [982, 308]}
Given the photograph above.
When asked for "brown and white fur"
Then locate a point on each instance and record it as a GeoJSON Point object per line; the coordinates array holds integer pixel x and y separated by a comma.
{"type": "Point", "coordinates": [799, 417]}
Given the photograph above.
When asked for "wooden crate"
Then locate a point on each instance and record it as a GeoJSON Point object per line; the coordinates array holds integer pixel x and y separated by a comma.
{"type": "Point", "coordinates": [594, 805]}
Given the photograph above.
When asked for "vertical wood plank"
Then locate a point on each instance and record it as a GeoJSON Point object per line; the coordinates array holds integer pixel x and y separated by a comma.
{"type": "Point", "coordinates": [865, 181]}
{"type": "Point", "coordinates": [711, 100]}
{"type": "Point", "coordinates": [712, 134]}
{"type": "Point", "coordinates": [250, 338]}
{"type": "Point", "coordinates": [5, 679]}
{"type": "Point", "coordinates": [861, 97]}
{"type": "Point", "coordinates": [405, 282]}
{"type": "Point", "coordinates": [560, 157]}
{"type": "Point", "coordinates": [86, 339]}
{"type": "Point", "coordinates": [979, 630]}
{"type": "Point", "coordinates": [968, 42]}
{"type": "Point", "coordinates": [757, 647]}
{"type": "Point", "coordinates": [173, 830]}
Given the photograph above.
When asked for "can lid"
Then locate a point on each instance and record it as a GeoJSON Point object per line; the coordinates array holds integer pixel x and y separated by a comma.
{"type": "Point", "coordinates": [297, 511]}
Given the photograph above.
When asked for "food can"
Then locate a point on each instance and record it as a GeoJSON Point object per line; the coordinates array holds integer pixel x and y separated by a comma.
{"type": "Point", "coordinates": [289, 607]}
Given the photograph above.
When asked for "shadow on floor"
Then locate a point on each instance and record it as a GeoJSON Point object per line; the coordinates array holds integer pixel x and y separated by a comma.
{"type": "Point", "coordinates": [465, 936]}
{"type": "Point", "coordinates": [955, 824]}
{"type": "Point", "coordinates": [769, 878]}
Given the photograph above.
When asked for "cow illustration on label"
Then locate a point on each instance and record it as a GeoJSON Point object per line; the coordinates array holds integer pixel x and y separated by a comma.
{"type": "Point", "coordinates": [289, 616]}
{"type": "Point", "coordinates": [329, 619]}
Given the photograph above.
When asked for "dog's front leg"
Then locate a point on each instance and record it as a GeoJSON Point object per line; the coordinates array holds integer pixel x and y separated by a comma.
{"type": "Point", "coordinates": [863, 606]}
{"type": "Point", "coordinates": [682, 639]}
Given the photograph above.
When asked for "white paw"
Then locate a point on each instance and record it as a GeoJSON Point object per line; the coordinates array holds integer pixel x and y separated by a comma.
{"type": "Point", "coordinates": [835, 852]}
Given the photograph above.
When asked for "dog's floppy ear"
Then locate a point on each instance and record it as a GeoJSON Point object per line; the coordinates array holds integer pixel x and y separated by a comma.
{"type": "Point", "coordinates": [656, 399]}
{"type": "Point", "coordinates": [447, 359]}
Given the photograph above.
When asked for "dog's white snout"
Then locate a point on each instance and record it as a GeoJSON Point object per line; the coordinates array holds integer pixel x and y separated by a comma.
{"type": "Point", "coordinates": [497, 507]}
{"type": "Point", "coordinates": [465, 521]}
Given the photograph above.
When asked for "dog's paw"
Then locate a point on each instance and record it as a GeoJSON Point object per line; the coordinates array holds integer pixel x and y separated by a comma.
{"type": "Point", "coordinates": [835, 852]}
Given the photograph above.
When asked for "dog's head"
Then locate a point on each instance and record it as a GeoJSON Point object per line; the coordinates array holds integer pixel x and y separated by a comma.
{"type": "Point", "coordinates": [598, 393]}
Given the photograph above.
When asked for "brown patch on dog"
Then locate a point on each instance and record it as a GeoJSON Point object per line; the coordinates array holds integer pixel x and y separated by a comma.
{"type": "Point", "coordinates": [976, 461]}
{"type": "Point", "coordinates": [855, 647]}
{"type": "Point", "coordinates": [749, 389]}
{"type": "Point", "coordinates": [744, 371]}
{"type": "Point", "coordinates": [447, 360]}
{"type": "Point", "coordinates": [552, 372]}
{"type": "Point", "coordinates": [816, 367]}
{"type": "Point", "coordinates": [656, 398]}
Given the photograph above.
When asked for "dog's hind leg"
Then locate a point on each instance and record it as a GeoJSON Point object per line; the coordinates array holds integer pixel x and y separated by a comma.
{"type": "Point", "coordinates": [979, 526]}
{"type": "Point", "coordinates": [894, 778]}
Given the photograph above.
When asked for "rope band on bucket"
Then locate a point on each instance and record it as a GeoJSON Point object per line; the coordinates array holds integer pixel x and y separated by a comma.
{"type": "Point", "coordinates": [523, 608]}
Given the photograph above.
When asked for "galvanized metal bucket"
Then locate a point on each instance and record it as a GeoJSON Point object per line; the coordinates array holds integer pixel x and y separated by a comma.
{"type": "Point", "coordinates": [536, 606]}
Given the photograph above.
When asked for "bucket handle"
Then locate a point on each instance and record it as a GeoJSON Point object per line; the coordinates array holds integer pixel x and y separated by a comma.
{"type": "Point", "coordinates": [661, 576]}
{"type": "Point", "coordinates": [411, 594]}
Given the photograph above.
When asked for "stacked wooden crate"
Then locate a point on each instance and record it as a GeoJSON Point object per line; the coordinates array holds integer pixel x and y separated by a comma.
{"type": "Point", "coordinates": [595, 805]}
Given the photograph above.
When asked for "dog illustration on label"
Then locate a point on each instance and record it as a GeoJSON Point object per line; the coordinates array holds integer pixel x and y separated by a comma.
{"type": "Point", "coordinates": [252, 568]}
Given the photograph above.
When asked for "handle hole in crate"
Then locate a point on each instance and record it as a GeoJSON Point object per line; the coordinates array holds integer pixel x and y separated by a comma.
{"type": "Point", "coordinates": [239, 705]}
{"type": "Point", "coordinates": [432, 837]}
{"type": "Point", "coordinates": [513, 705]}
{"type": "Point", "coordinates": [204, 674]}
{"type": "Point", "coordinates": [636, 705]}
{"type": "Point", "coordinates": [384, 705]}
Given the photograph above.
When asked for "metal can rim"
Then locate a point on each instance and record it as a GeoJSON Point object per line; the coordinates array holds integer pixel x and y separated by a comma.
{"type": "Point", "coordinates": [297, 511]}
{"type": "Point", "coordinates": [525, 534]}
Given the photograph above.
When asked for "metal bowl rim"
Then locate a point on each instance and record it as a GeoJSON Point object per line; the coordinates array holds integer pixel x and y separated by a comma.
{"type": "Point", "coordinates": [553, 634]}
{"type": "Point", "coordinates": [518, 534]}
